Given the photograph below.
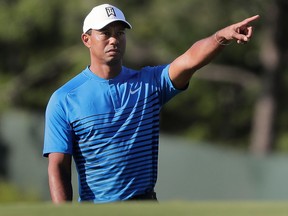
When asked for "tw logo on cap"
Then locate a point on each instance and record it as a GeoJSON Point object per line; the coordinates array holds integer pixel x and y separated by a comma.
{"type": "Point", "coordinates": [110, 11]}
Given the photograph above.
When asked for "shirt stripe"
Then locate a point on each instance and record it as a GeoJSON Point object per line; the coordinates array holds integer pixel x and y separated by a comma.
{"type": "Point", "coordinates": [112, 129]}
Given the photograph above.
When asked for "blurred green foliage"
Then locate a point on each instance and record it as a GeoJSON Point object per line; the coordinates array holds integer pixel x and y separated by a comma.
{"type": "Point", "coordinates": [41, 49]}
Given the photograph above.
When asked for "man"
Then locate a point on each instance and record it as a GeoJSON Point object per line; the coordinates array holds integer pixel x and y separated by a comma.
{"type": "Point", "coordinates": [107, 117]}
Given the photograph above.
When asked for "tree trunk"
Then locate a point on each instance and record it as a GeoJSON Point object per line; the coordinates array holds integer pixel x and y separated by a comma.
{"type": "Point", "coordinates": [262, 136]}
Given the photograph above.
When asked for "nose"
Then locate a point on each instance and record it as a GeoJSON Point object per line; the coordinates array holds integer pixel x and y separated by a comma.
{"type": "Point", "coordinates": [114, 39]}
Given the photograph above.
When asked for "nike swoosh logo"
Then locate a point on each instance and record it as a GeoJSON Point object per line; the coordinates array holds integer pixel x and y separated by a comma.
{"type": "Point", "coordinates": [135, 91]}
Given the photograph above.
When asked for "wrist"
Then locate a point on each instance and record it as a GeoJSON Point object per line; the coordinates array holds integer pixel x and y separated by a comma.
{"type": "Point", "coordinates": [221, 40]}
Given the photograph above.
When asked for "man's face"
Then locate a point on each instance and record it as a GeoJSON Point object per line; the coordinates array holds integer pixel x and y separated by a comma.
{"type": "Point", "coordinates": [107, 46]}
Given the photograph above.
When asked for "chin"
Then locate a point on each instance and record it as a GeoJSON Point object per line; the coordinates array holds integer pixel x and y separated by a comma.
{"type": "Point", "coordinates": [114, 62]}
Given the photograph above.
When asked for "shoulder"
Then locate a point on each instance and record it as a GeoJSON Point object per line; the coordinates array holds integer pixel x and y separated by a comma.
{"type": "Point", "coordinates": [70, 86]}
{"type": "Point", "coordinates": [147, 70]}
{"type": "Point", "coordinates": [73, 83]}
{"type": "Point", "coordinates": [158, 68]}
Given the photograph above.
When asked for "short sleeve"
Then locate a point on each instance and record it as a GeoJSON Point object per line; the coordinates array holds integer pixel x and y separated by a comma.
{"type": "Point", "coordinates": [168, 91]}
{"type": "Point", "coordinates": [58, 136]}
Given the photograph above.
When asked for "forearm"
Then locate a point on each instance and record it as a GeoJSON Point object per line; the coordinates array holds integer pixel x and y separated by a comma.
{"type": "Point", "coordinates": [202, 52]}
{"type": "Point", "coordinates": [197, 56]}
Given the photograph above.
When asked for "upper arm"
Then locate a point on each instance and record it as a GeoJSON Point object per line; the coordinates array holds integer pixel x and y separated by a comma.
{"type": "Point", "coordinates": [179, 73]}
{"type": "Point", "coordinates": [59, 161]}
{"type": "Point", "coordinates": [59, 172]}
{"type": "Point", "coordinates": [58, 136]}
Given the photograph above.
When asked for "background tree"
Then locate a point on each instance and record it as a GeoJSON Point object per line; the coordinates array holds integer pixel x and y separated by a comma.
{"type": "Point", "coordinates": [226, 102]}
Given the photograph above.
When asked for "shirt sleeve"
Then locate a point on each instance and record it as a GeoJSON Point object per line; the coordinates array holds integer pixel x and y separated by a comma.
{"type": "Point", "coordinates": [167, 89]}
{"type": "Point", "coordinates": [58, 136]}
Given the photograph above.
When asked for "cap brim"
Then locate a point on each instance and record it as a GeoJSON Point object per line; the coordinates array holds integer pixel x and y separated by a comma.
{"type": "Point", "coordinates": [127, 25]}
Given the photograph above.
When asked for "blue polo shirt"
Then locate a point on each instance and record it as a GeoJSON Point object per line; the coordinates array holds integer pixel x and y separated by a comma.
{"type": "Point", "coordinates": [111, 127]}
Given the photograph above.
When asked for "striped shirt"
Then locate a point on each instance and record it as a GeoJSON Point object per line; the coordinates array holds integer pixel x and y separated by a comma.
{"type": "Point", "coordinates": [111, 127]}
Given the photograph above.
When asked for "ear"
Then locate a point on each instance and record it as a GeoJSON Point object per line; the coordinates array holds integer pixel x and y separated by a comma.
{"type": "Point", "coordinates": [86, 39]}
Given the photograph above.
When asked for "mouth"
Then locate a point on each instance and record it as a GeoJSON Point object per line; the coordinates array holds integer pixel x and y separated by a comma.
{"type": "Point", "coordinates": [113, 51]}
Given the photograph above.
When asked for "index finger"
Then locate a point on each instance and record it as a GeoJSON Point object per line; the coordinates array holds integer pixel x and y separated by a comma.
{"type": "Point", "coordinates": [250, 19]}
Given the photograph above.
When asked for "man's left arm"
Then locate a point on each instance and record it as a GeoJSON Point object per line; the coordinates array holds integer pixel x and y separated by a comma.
{"type": "Point", "coordinates": [203, 51]}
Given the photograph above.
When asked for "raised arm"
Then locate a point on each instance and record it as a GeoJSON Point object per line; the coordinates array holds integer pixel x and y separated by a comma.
{"type": "Point", "coordinates": [59, 171]}
{"type": "Point", "coordinates": [203, 51]}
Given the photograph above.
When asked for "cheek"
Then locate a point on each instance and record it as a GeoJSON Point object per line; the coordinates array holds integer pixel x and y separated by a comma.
{"type": "Point", "coordinates": [123, 44]}
{"type": "Point", "coordinates": [97, 51]}
{"type": "Point", "coordinates": [97, 45]}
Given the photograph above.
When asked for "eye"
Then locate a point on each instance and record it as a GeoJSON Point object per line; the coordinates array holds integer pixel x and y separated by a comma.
{"type": "Point", "coordinates": [103, 35]}
{"type": "Point", "coordinates": [106, 33]}
{"type": "Point", "coordinates": [120, 33]}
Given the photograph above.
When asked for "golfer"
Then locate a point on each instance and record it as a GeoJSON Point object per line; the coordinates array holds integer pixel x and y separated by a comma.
{"type": "Point", "coordinates": [107, 117]}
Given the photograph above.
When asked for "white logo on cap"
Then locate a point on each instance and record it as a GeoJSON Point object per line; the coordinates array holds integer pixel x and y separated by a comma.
{"type": "Point", "coordinates": [110, 11]}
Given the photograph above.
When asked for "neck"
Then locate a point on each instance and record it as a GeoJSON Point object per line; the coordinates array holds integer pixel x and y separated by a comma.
{"type": "Point", "coordinates": [106, 71]}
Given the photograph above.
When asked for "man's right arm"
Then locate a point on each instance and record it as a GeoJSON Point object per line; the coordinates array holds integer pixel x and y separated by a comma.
{"type": "Point", "coordinates": [59, 172]}
{"type": "Point", "coordinates": [204, 50]}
